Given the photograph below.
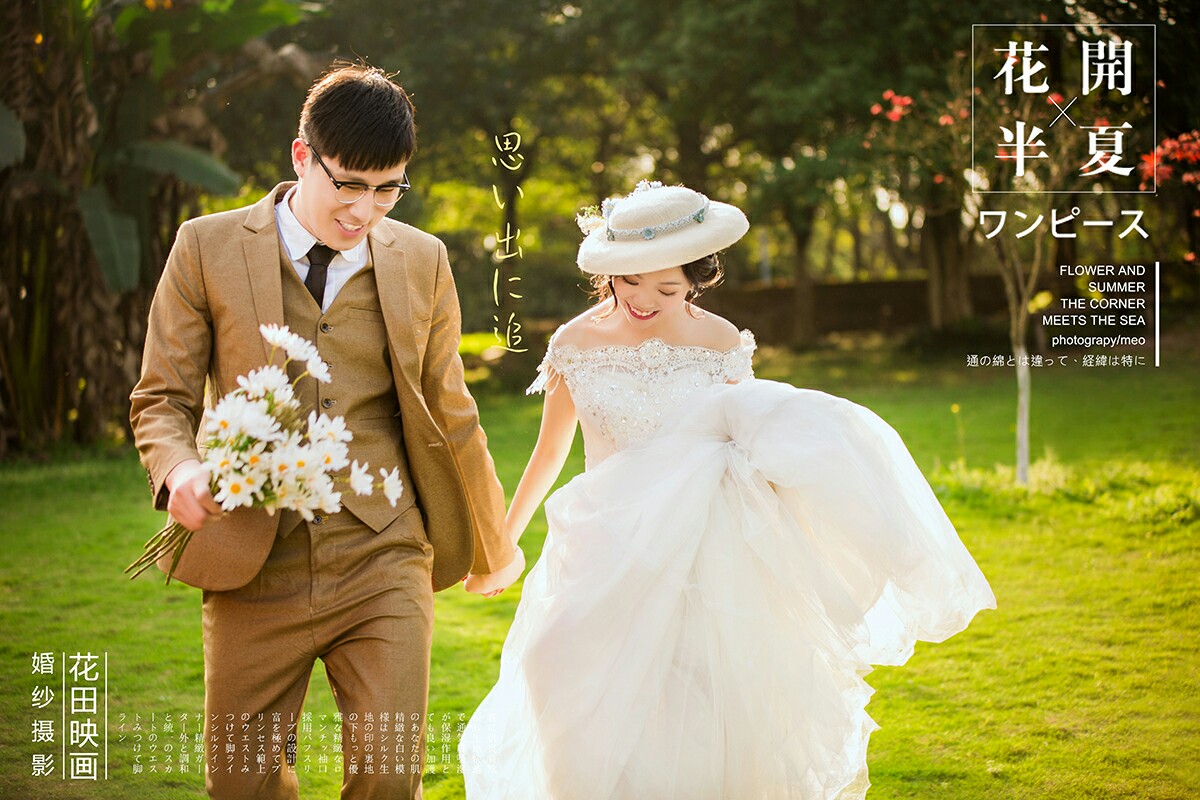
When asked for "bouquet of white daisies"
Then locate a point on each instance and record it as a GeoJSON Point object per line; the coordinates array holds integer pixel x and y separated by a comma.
{"type": "Point", "coordinates": [259, 457]}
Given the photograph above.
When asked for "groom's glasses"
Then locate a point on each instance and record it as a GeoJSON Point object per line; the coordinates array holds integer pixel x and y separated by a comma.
{"type": "Point", "coordinates": [347, 192]}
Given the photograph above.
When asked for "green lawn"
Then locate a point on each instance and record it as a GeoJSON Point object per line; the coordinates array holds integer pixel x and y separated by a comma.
{"type": "Point", "coordinates": [1082, 685]}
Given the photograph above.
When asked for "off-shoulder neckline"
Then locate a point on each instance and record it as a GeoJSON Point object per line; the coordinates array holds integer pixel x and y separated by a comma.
{"type": "Point", "coordinates": [745, 335]}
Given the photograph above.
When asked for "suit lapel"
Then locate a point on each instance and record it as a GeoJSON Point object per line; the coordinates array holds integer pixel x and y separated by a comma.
{"type": "Point", "coordinates": [261, 248]}
{"type": "Point", "coordinates": [391, 280]}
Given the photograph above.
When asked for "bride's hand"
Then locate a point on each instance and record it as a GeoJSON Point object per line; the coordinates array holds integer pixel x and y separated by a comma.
{"type": "Point", "coordinates": [494, 583]}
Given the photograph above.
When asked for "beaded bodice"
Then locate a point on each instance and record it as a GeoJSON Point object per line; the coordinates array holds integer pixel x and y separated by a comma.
{"type": "Point", "coordinates": [624, 393]}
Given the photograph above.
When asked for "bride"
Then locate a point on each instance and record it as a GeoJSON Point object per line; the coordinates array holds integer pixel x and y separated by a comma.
{"type": "Point", "coordinates": [737, 554]}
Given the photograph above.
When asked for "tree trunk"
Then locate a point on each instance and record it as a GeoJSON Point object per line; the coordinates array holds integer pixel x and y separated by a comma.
{"type": "Point", "coordinates": [891, 248]}
{"type": "Point", "coordinates": [1024, 395]}
{"type": "Point", "coordinates": [834, 220]}
{"type": "Point", "coordinates": [804, 327]}
{"type": "Point", "coordinates": [856, 236]}
{"type": "Point", "coordinates": [1017, 289]}
{"type": "Point", "coordinates": [946, 257]}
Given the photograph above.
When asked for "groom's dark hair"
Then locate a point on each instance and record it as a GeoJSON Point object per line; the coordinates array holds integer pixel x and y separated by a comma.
{"type": "Point", "coordinates": [360, 116]}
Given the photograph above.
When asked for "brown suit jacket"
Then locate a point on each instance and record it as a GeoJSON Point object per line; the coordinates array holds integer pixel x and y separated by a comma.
{"type": "Point", "coordinates": [221, 281]}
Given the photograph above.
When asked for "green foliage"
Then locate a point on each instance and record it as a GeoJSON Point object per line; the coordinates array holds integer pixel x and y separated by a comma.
{"type": "Point", "coordinates": [189, 164]}
{"type": "Point", "coordinates": [114, 238]}
{"type": "Point", "coordinates": [174, 37]}
{"type": "Point", "coordinates": [119, 150]}
{"type": "Point", "coordinates": [12, 137]}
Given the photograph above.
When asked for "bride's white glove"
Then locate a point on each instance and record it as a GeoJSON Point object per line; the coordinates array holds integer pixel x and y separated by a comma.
{"type": "Point", "coordinates": [493, 583]}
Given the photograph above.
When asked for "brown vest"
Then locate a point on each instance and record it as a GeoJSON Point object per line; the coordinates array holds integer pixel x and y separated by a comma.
{"type": "Point", "coordinates": [352, 340]}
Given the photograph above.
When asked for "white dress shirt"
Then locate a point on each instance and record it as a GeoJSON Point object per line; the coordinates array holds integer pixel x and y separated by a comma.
{"type": "Point", "coordinates": [297, 241]}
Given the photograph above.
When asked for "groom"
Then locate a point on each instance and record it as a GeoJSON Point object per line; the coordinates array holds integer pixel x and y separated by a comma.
{"type": "Point", "coordinates": [354, 589]}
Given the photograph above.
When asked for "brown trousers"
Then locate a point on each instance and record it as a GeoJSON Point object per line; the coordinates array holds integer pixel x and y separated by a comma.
{"type": "Point", "coordinates": [360, 601]}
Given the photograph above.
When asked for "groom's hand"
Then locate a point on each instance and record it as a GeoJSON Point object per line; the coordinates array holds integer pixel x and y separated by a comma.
{"type": "Point", "coordinates": [191, 503]}
{"type": "Point", "coordinates": [494, 583]}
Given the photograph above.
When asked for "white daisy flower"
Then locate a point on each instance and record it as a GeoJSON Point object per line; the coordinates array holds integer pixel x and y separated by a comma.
{"type": "Point", "coordinates": [360, 479]}
{"type": "Point", "coordinates": [256, 469]}
{"type": "Point", "coordinates": [233, 492]}
{"type": "Point", "coordinates": [392, 487]}
{"type": "Point", "coordinates": [330, 501]}
{"type": "Point", "coordinates": [332, 456]}
{"type": "Point", "coordinates": [299, 349]}
{"type": "Point", "coordinates": [325, 428]}
{"type": "Point", "coordinates": [229, 419]}
{"type": "Point", "coordinates": [318, 369]}
{"type": "Point", "coordinates": [267, 382]}
{"type": "Point", "coordinates": [221, 461]}
{"type": "Point", "coordinates": [276, 335]}
{"type": "Point", "coordinates": [296, 346]}
{"type": "Point", "coordinates": [283, 458]}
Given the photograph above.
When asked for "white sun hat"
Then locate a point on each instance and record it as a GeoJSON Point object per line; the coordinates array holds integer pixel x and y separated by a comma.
{"type": "Point", "coordinates": [657, 227]}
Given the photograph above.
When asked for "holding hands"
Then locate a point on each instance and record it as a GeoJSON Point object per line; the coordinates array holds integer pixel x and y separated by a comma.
{"type": "Point", "coordinates": [549, 455]}
{"type": "Point", "coordinates": [494, 583]}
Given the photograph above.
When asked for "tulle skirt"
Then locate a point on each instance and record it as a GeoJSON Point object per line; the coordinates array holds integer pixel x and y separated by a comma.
{"type": "Point", "coordinates": [707, 605]}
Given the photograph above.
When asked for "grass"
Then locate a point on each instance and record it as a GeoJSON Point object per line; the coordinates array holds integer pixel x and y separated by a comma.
{"type": "Point", "coordinates": [1082, 685]}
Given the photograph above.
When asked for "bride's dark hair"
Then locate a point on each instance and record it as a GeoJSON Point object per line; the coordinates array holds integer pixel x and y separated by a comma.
{"type": "Point", "coordinates": [702, 274]}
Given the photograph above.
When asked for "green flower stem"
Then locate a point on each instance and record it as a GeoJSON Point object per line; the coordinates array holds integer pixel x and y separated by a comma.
{"type": "Point", "coordinates": [171, 539]}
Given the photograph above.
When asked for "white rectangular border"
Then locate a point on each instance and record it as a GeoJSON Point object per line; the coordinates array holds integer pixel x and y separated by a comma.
{"type": "Point", "coordinates": [1153, 102]}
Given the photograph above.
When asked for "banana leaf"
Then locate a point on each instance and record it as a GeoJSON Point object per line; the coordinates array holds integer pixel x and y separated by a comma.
{"type": "Point", "coordinates": [114, 238]}
{"type": "Point", "coordinates": [12, 137]}
{"type": "Point", "coordinates": [189, 164]}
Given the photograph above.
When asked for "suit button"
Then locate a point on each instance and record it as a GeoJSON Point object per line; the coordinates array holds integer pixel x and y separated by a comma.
{"type": "Point", "coordinates": [326, 327]}
{"type": "Point", "coordinates": [318, 519]}
{"type": "Point", "coordinates": [328, 402]}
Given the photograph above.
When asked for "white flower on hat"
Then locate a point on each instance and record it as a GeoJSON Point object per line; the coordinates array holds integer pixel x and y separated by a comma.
{"type": "Point", "coordinates": [588, 222]}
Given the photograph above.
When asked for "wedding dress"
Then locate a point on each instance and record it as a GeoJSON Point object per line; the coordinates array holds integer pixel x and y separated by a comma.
{"type": "Point", "coordinates": [713, 590]}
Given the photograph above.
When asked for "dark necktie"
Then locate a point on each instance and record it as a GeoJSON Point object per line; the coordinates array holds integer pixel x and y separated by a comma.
{"type": "Point", "coordinates": [318, 267]}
